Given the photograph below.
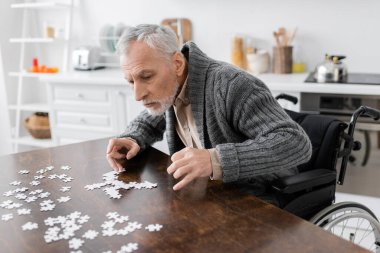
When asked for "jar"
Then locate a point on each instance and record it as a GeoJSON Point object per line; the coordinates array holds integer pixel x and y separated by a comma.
{"type": "Point", "coordinates": [257, 62]}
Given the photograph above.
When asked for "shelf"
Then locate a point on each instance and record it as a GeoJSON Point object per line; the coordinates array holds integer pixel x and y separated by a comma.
{"type": "Point", "coordinates": [42, 5]}
{"type": "Point", "coordinates": [108, 37]}
{"type": "Point", "coordinates": [38, 107]}
{"type": "Point", "coordinates": [108, 64]}
{"type": "Point", "coordinates": [30, 141]}
{"type": "Point", "coordinates": [35, 40]}
{"type": "Point", "coordinates": [106, 54]}
{"type": "Point", "coordinates": [28, 74]}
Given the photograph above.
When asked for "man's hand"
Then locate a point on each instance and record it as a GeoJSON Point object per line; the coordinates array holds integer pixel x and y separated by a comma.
{"type": "Point", "coordinates": [190, 163]}
{"type": "Point", "coordinates": [118, 149]}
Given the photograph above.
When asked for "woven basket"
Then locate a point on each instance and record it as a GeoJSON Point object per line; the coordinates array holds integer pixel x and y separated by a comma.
{"type": "Point", "coordinates": [38, 125]}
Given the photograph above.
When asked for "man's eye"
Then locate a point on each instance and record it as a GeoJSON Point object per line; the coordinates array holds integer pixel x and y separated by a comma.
{"type": "Point", "coordinates": [146, 77]}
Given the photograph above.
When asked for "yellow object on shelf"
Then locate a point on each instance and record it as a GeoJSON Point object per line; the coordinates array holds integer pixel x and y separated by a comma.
{"type": "Point", "coordinates": [298, 67]}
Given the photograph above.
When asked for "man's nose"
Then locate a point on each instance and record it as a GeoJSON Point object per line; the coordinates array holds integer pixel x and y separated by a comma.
{"type": "Point", "coordinates": [139, 91]}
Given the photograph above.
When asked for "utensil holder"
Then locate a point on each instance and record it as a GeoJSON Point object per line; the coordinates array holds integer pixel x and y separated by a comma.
{"type": "Point", "coordinates": [282, 60]}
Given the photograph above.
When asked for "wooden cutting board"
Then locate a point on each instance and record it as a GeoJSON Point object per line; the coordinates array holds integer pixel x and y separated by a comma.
{"type": "Point", "coordinates": [174, 24]}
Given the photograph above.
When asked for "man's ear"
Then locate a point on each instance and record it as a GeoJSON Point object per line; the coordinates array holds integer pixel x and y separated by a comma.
{"type": "Point", "coordinates": [179, 63]}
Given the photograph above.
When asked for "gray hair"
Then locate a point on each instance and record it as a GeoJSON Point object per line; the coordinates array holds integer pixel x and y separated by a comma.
{"type": "Point", "coordinates": [157, 37]}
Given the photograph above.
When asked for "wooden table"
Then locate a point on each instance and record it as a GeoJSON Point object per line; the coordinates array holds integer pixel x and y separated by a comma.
{"type": "Point", "coordinates": [204, 217]}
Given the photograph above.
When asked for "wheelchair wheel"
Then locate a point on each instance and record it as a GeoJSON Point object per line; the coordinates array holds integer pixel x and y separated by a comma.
{"type": "Point", "coordinates": [351, 221]}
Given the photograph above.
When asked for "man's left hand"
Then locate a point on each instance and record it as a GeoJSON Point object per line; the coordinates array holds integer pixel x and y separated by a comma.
{"type": "Point", "coordinates": [190, 163]}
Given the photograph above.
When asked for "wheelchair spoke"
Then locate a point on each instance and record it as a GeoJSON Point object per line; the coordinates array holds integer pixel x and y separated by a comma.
{"type": "Point", "coordinates": [362, 220]}
{"type": "Point", "coordinates": [343, 228]}
{"type": "Point", "coordinates": [357, 227]}
{"type": "Point", "coordinates": [367, 233]}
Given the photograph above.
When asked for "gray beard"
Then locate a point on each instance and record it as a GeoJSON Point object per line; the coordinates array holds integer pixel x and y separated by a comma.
{"type": "Point", "coordinates": [165, 104]}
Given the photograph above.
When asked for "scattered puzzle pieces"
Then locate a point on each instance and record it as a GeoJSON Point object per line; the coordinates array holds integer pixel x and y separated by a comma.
{"type": "Point", "coordinates": [153, 227]}
{"type": "Point", "coordinates": [63, 199]}
{"type": "Point", "coordinates": [130, 247]}
{"type": "Point", "coordinates": [23, 211]}
{"type": "Point", "coordinates": [64, 227]}
{"type": "Point", "coordinates": [110, 178]}
{"type": "Point", "coordinates": [9, 204]}
{"type": "Point", "coordinates": [35, 183]}
{"type": "Point", "coordinates": [15, 183]}
{"type": "Point", "coordinates": [7, 217]}
{"type": "Point", "coordinates": [47, 205]}
{"type": "Point", "coordinates": [69, 224]}
{"type": "Point", "coordinates": [65, 167]}
{"type": "Point", "coordinates": [90, 234]}
{"type": "Point", "coordinates": [29, 226]}
{"type": "Point", "coordinates": [75, 243]}
{"type": "Point", "coordinates": [65, 188]}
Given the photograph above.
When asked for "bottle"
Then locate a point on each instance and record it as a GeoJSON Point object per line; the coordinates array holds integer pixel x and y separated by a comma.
{"type": "Point", "coordinates": [35, 67]}
{"type": "Point", "coordinates": [237, 55]}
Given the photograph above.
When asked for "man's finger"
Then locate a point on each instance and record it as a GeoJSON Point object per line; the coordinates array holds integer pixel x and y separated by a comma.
{"type": "Point", "coordinates": [186, 180]}
{"type": "Point", "coordinates": [119, 167]}
{"type": "Point", "coordinates": [112, 163]}
{"type": "Point", "coordinates": [183, 170]}
{"type": "Point", "coordinates": [178, 155]}
{"type": "Point", "coordinates": [176, 165]}
{"type": "Point", "coordinates": [171, 168]}
{"type": "Point", "coordinates": [111, 144]}
{"type": "Point", "coordinates": [133, 151]}
{"type": "Point", "coordinates": [116, 155]}
{"type": "Point", "coordinates": [113, 158]}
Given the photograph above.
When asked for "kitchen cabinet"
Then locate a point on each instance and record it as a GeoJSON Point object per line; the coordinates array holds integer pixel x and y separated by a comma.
{"type": "Point", "coordinates": [90, 105]}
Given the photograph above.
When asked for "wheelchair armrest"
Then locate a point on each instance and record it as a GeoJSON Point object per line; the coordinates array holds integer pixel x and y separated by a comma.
{"type": "Point", "coordinates": [304, 180]}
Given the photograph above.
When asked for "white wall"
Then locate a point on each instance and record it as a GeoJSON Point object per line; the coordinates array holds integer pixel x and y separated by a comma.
{"type": "Point", "coordinates": [348, 27]}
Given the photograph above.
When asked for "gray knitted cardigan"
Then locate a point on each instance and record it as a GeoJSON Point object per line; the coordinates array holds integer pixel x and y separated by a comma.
{"type": "Point", "coordinates": [235, 113]}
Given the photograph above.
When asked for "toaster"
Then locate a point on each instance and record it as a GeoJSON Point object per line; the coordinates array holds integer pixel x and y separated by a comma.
{"type": "Point", "coordinates": [87, 58]}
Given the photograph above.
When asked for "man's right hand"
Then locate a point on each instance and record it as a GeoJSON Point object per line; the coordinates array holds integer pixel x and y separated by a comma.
{"type": "Point", "coordinates": [120, 148]}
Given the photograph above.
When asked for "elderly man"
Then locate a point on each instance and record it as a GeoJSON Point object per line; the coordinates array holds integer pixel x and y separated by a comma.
{"type": "Point", "coordinates": [220, 121]}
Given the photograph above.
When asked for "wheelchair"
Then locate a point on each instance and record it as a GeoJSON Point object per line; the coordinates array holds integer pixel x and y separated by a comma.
{"type": "Point", "coordinates": [311, 193]}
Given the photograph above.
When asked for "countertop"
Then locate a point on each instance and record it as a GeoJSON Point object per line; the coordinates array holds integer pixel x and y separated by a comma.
{"type": "Point", "coordinates": [275, 82]}
{"type": "Point", "coordinates": [101, 76]}
{"type": "Point", "coordinates": [295, 83]}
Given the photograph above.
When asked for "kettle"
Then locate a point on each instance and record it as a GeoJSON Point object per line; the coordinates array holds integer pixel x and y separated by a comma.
{"type": "Point", "coordinates": [331, 70]}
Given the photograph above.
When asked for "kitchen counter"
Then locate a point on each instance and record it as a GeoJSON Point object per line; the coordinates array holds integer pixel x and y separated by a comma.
{"type": "Point", "coordinates": [275, 82]}
{"type": "Point", "coordinates": [101, 76]}
{"type": "Point", "coordinates": [295, 83]}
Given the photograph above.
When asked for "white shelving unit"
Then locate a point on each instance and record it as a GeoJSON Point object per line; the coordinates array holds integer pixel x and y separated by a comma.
{"type": "Point", "coordinates": [39, 5]}
{"type": "Point", "coordinates": [22, 77]}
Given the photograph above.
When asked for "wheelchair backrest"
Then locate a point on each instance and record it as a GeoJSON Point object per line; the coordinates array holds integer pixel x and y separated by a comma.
{"type": "Point", "coordinates": [325, 135]}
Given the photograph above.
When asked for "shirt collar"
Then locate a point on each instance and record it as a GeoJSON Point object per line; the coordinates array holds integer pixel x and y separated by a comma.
{"type": "Point", "coordinates": [183, 95]}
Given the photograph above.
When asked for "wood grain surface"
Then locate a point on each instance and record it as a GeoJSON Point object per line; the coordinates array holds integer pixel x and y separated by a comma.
{"type": "Point", "coordinates": [204, 217]}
